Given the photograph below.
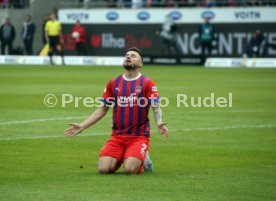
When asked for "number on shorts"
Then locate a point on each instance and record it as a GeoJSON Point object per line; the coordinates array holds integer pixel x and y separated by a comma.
{"type": "Point", "coordinates": [144, 146]}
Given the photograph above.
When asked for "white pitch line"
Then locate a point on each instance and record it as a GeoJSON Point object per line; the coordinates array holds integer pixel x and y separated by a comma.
{"type": "Point", "coordinates": [82, 117]}
{"type": "Point", "coordinates": [153, 131]}
{"type": "Point", "coordinates": [40, 120]}
{"type": "Point", "coordinates": [225, 111]}
{"type": "Point", "coordinates": [226, 127]}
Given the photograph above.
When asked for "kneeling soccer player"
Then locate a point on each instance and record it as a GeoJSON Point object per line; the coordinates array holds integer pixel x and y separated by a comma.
{"type": "Point", "coordinates": [131, 94]}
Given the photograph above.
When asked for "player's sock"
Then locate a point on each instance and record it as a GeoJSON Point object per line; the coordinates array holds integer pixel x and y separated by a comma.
{"type": "Point", "coordinates": [148, 165]}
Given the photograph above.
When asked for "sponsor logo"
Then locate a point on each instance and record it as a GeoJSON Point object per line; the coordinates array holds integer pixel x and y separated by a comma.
{"type": "Point", "coordinates": [96, 41]}
{"type": "Point", "coordinates": [9, 60]}
{"type": "Point", "coordinates": [209, 14]}
{"type": "Point", "coordinates": [124, 101]}
{"type": "Point", "coordinates": [165, 60]}
{"type": "Point", "coordinates": [87, 60]}
{"type": "Point", "coordinates": [143, 15]}
{"type": "Point", "coordinates": [237, 62]}
{"type": "Point", "coordinates": [112, 16]}
{"type": "Point", "coordinates": [243, 15]}
{"type": "Point", "coordinates": [175, 15]}
{"type": "Point", "coordinates": [46, 60]}
{"type": "Point", "coordinates": [78, 16]}
{"type": "Point", "coordinates": [33, 60]}
{"type": "Point", "coordinates": [108, 40]}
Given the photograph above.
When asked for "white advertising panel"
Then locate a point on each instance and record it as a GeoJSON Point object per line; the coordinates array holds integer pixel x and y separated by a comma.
{"type": "Point", "coordinates": [181, 15]}
{"type": "Point", "coordinates": [69, 60]}
{"type": "Point", "coordinates": [261, 63]}
{"type": "Point", "coordinates": [240, 62]}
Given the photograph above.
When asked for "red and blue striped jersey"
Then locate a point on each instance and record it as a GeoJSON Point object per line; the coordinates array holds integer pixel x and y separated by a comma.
{"type": "Point", "coordinates": [131, 100]}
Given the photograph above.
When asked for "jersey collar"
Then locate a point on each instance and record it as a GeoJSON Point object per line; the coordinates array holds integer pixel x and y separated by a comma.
{"type": "Point", "coordinates": [135, 78]}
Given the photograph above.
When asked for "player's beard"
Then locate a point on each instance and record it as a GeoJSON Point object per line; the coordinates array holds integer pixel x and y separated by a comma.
{"type": "Point", "coordinates": [130, 67]}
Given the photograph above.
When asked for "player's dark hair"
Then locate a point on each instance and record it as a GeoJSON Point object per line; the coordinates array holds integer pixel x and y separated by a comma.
{"type": "Point", "coordinates": [136, 50]}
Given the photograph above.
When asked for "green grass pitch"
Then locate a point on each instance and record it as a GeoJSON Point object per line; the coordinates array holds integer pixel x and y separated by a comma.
{"type": "Point", "coordinates": [211, 154]}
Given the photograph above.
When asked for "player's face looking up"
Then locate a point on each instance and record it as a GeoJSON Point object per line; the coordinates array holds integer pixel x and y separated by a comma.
{"type": "Point", "coordinates": [132, 60]}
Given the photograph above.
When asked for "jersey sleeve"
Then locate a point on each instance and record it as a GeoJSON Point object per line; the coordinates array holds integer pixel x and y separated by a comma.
{"type": "Point", "coordinates": [152, 93]}
{"type": "Point", "coordinates": [108, 96]}
{"type": "Point", "coordinates": [47, 26]}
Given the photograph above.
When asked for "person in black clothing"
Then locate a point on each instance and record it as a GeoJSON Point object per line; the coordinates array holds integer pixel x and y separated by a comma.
{"type": "Point", "coordinates": [7, 36]}
{"type": "Point", "coordinates": [46, 19]}
{"type": "Point", "coordinates": [28, 31]}
{"type": "Point", "coordinates": [206, 37]}
{"type": "Point", "coordinates": [254, 45]}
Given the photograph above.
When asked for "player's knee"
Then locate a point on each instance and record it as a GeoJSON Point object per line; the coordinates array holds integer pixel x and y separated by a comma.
{"type": "Point", "coordinates": [131, 170]}
{"type": "Point", "coordinates": [104, 170]}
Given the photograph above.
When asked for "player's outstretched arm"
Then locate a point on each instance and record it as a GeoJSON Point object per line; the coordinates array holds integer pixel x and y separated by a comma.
{"type": "Point", "coordinates": [158, 116]}
{"type": "Point", "coordinates": [76, 128]}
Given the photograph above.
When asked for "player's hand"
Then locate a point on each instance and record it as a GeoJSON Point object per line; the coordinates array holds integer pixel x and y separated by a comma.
{"type": "Point", "coordinates": [162, 128]}
{"type": "Point", "coordinates": [75, 129]}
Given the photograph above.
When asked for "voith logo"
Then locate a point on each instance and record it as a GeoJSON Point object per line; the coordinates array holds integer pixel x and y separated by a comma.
{"type": "Point", "coordinates": [78, 16]}
{"type": "Point", "coordinates": [107, 40]}
{"type": "Point", "coordinates": [248, 15]}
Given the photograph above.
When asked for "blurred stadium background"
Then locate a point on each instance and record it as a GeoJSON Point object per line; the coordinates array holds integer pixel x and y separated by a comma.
{"type": "Point", "coordinates": [211, 154]}
{"type": "Point", "coordinates": [112, 26]}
